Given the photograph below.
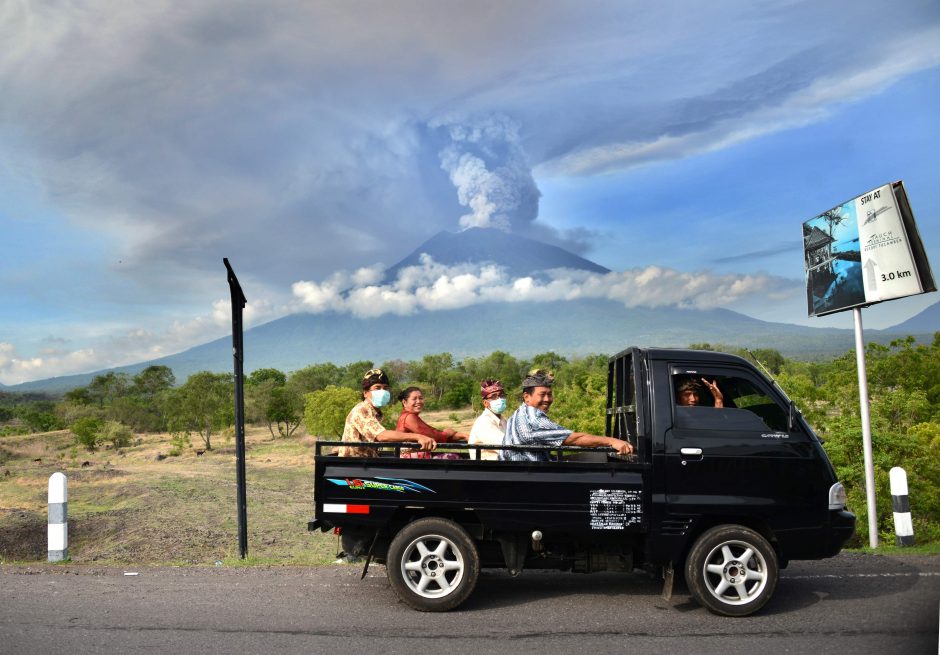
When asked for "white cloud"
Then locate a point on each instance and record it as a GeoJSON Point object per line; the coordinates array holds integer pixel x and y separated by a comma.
{"type": "Point", "coordinates": [130, 345]}
{"type": "Point", "coordinates": [434, 287]}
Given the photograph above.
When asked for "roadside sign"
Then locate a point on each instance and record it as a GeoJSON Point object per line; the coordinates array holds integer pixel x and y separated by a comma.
{"type": "Point", "coordinates": [864, 251]}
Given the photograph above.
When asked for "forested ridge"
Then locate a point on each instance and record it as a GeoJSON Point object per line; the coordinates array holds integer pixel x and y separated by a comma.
{"type": "Point", "coordinates": [903, 380]}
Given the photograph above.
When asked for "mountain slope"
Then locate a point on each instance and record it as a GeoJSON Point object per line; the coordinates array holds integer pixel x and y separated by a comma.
{"type": "Point", "coordinates": [518, 255]}
{"type": "Point", "coordinates": [568, 327]}
{"type": "Point", "coordinates": [926, 322]}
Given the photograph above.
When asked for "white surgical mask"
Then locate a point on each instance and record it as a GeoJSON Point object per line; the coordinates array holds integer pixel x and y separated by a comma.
{"type": "Point", "coordinates": [498, 406]}
{"type": "Point", "coordinates": [380, 397]}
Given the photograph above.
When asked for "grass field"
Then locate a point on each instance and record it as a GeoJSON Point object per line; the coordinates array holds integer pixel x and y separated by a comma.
{"type": "Point", "coordinates": [138, 505]}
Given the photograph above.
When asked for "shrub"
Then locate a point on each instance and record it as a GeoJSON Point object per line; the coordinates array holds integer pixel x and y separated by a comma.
{"type": "Point", "coordinates": [87, 431]}
{"type": "Point", "coordinates": [117, 434]}
{"type": "Point", "coordinates": [325, 410]}
{"type": "Point", "coordinates": [179, 442]}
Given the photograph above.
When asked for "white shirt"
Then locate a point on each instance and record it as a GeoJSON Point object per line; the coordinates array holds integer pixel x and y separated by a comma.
{"type": "Point", "coordinates": [489, 428]}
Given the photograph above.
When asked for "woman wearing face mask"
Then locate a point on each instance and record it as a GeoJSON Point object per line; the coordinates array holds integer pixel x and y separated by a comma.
{"type": "Point", "coordinates": [412, 402]}
{"type": "Point", "coordinates": [364, 421]}
{"type": "Point", "coordinates": [490, 426]}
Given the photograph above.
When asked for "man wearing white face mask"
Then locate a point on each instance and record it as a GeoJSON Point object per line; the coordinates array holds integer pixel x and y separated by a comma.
{"type": "Point", "coordinates": [364, 421]}
{"type": "Point", "coordinates": [490, 426]}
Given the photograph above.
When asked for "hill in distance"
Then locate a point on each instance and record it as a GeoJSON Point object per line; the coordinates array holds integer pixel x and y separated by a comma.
{"type": "Point", "coordinates": [572, 328]}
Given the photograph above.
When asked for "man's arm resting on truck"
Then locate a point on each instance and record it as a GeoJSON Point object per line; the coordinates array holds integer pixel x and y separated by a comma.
{"type": "Point", "coordinates": [593, 441]}
{"type": "Point", "coordinates": [425, 443]}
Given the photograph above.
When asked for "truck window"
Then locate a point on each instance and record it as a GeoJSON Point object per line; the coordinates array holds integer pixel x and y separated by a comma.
{"type": "Point", "coordinates": [745, 405]}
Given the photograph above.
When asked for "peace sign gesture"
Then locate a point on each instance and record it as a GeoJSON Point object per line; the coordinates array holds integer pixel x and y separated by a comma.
{"type": "Point", "coordinates": [715, 391]}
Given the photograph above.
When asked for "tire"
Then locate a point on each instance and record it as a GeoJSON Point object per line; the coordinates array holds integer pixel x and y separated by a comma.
{"type": "Point", "coordinates": [433, 565]}
{"type": "Point", "coordinates": [714, 568]}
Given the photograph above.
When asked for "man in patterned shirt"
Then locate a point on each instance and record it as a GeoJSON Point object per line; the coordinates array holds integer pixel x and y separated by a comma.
{"type": "Point", "coordinates": [530, 426]}
{"type": "Point", "coordinates": [364, 421]}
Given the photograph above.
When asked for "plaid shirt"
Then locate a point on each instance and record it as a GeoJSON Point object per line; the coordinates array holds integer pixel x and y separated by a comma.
{"type": "Point", "coordinates": [529, 426]}
{"type": "Point", "coordinates": [363, 423]}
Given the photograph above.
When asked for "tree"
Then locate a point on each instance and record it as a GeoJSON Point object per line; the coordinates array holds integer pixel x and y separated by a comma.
{"type": "Point", "coordinates": [316, 377]}
{"type": "Point", "coordinates": [87, 431]}
{"type": "Point", "coordinates": [285, 409]}
{"type": "Point", "coordinates": [204, 404]}
{"type": "Point", "coordinates": [105, 388]}
{"type": "Point", "coordinates": [435, 370]}
{"type": "Point", "coordinates": [325, 410]}
{"type": "Point", "coordinates": [263, 375]}
{"type": "Point", "coordinates": [152, 381]}
{"type": "Point", "coordinates": [550, 360]}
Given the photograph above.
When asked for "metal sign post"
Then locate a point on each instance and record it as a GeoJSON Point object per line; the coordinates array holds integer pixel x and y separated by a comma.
{"type": "Point", "coordinates": [864, 251]}
{"type": "Point", "coordinates": [238, 351]}
{"type": "Point", "coordinates": [866, 430]}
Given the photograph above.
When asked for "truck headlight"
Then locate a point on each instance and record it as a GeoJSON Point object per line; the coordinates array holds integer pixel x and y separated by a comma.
{"type": "Point", "coordinates": [837, 496]}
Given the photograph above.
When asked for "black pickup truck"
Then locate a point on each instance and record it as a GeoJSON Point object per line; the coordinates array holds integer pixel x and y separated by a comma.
{"type": "Point", "coordinates": [727, 496]}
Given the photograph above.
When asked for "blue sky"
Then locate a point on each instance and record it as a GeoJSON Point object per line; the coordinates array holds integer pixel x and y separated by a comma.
{"type": "Point", "coordinates": [680, 144]}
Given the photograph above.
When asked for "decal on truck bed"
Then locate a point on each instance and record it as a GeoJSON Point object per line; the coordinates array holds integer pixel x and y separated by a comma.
{"type": "Point", "coordinates": [615, 509]}
{"type": "Point", "coordinates": [381, 484]}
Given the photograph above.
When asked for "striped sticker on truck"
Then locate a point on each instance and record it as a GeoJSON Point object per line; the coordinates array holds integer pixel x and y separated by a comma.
{"type": "Point", "coordinates": [345, 509]}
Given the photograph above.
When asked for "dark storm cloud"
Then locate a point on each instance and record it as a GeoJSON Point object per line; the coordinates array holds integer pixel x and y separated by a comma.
{"type": "Point", "coordinates": [299, 138]}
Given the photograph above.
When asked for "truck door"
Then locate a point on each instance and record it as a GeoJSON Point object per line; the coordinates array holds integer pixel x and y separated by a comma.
{"type": "Point", "coordinates": [740, 459]}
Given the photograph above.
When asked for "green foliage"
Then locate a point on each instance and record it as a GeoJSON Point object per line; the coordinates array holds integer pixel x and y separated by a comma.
{"type": "Point", "coordinates": [204, 404]}
{"type": "Point", "coordinates": [105, 388]}
{"type": "Point", "coordinates": [263, 375]}
{"type": "Point", "coordinates": [286, 409]}
{"type": "Point", "coordinates": [117, 434]}
{"type": "Point", "coordinates": [87, 431]}
{"type": "Point", "coordinates": [39, 421]}
{"type": "Point", "coordinates": [325, 410]}
{"type": "Point", "coordinates": [179, 442]}
{"type": "Point", "coordinates": [905, 425]}
{"type": "Point", "coordinates": [317, 376]}
{"type": "Point", "coordinates": [581, 395]}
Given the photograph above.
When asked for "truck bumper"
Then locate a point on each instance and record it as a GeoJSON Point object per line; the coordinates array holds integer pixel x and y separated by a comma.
{"type": "Point", "coordinates": [319, 524]}
{"type": "Point", "coordinates": [841, 529]}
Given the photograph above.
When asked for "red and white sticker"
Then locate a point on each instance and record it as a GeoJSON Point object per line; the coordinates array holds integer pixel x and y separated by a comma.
{"type": "Point", "coordinates": [345, 509]}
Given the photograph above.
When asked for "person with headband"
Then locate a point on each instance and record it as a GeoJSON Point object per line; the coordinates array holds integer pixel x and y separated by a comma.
{"type": "Point", "coordinates": [490, 426]}
{"type": "Point", "coordinates": [689, 392]}
{"type": "Point", "coordinates": [364, 421]}
{"type": "Point", "coordinates": [530, 426]}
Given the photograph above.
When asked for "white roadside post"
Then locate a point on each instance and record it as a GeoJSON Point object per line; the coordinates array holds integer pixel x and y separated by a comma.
{"type": "Point", "coordinates": [903, 526]}
{"type": "Point", "coordinates": [58, 518]}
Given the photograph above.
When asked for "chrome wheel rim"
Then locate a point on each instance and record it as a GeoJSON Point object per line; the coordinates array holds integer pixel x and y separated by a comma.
{"type": "Point", "coordinates": [735, 573]}
{"type": "Point", "coordinates": [432, 566]}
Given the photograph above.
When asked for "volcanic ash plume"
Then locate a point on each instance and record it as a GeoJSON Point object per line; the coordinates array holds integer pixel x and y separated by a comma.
{"type": "Point", "coordinates": [486, 163]}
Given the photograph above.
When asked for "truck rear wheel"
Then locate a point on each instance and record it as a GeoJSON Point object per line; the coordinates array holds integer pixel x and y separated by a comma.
{"type": "Point", "coordinates": [732, 570]}
{"type": "Point", "coordinates": [433, 564]}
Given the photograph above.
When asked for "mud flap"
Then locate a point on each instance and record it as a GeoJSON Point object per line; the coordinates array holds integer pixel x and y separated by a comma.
{"type": "Point", "coordinates": [668, 579]}
{"type": "Point", "coordinates": [365, 567]}
{"type": "Point", "coordinates": [515, 550]}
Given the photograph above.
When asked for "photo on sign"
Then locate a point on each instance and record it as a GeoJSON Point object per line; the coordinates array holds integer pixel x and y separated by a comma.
{"type": "Point", "coordinates": [833, 261]}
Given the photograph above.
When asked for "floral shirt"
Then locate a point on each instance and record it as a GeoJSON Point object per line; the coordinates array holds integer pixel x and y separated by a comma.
{"type": "Point", "coordinates": [363, 423]}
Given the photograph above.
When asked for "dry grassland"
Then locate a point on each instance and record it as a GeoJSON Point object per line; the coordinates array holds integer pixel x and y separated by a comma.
{"type": "Point", "coordinates": [140, 506]}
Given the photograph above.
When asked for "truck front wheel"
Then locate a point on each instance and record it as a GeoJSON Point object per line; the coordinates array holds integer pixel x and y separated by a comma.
{"type": "Point", "coordinates": [433, 564]}
{"type": "Point", "coordinates": [732, 570]}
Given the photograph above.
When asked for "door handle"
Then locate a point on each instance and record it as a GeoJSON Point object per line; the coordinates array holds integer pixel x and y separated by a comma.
{"type": "Point", "coordinates": [695, 452]}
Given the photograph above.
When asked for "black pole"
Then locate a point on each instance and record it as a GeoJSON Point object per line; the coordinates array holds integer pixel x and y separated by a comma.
{"type": "Point", "coordinates": [238, 351]}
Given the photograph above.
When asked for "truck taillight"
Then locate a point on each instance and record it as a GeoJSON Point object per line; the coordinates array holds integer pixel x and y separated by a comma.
{"type": "Point", "coordinates": [837, 496]}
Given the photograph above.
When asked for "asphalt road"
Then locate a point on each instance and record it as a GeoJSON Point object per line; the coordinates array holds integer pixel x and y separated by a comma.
{"type": "Point", "coordinates": [854, 604]}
